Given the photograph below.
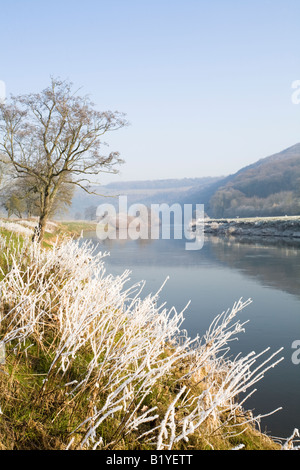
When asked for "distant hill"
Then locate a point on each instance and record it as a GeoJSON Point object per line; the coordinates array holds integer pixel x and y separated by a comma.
{"type": "Point", "coordinates": [144, 192]}
{"type": "Point", "coordinates": [269, 187]}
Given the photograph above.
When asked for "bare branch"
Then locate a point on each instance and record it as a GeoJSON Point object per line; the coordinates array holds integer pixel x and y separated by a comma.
{"type": "Point", "coordinates": [55, 136]}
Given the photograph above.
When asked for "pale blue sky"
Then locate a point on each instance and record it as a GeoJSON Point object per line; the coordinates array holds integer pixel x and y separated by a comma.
{"type": "Point", "coordinates": [206, 84]}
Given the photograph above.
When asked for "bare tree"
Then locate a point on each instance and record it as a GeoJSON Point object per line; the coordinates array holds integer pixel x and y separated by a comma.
{"type": "Point", "coordinates": [53, 137]}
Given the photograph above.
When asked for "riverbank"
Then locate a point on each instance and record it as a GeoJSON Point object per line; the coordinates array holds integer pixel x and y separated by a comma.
{"type": "Point", "coordinates": [88, 367]}
{"type": "Point", "coordinates": [280, 227]}
{"type": "Point", "coordinates": [54, 229]}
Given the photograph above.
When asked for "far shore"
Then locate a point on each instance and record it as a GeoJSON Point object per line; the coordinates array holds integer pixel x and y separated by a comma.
{"type": "Point", "coordinates": [281, 227]}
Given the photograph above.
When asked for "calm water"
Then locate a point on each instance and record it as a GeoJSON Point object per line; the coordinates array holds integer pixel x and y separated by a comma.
{"type": "Point", "coordinates": [213, 278]}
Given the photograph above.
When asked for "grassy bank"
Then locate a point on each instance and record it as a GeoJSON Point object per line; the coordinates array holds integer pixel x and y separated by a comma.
{"type": "Point", "coordinates": [54, 230]}
{"type": "Point", "coordinates": [91, 364]}
{"type": "Point", "coordinates": [76, 227]}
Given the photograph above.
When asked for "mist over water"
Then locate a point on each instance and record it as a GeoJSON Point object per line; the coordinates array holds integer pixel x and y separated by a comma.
{"type": "Point", "coordinates": [212, 279]}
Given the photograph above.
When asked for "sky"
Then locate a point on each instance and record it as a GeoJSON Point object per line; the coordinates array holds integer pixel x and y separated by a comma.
{"type": "Point", "coordinates": [206, 84]}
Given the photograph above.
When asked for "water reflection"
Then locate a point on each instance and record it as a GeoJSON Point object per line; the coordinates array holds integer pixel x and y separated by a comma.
{"type": "Point", "coordinates": [275, 263]}
{"type": "Point", "coordinates": [213, 278]}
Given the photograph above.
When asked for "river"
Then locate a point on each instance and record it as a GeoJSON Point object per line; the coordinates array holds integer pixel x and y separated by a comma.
{"type": "Point", "coordinates": [212, 279]}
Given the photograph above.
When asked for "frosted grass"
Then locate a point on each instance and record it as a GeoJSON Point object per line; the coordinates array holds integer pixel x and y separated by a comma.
{"type": "Point", "coordinates": [25, 227]}
{"type": "Point", "coordinates": [16, 228]}
{"type": "Point", "coordinates": [131, 346]}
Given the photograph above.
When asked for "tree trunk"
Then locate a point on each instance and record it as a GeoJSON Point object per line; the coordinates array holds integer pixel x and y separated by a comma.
{"type": "Point", "coordinates": [39, 231]}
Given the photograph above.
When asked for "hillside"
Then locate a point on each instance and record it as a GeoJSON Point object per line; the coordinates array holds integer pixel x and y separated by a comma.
{"type": "Point", "coordinates": [269, 187]}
